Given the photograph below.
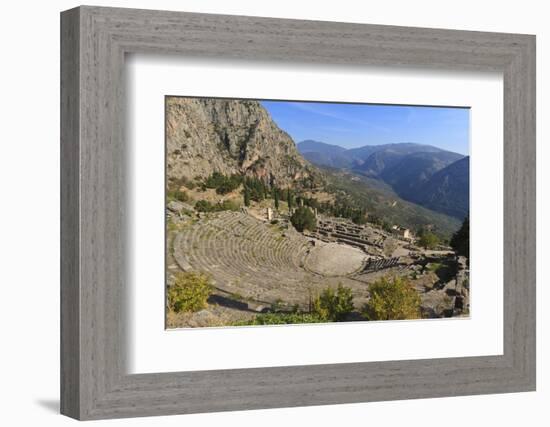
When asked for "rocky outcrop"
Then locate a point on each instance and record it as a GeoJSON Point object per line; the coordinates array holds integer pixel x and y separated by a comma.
{"type": "Point", "coordinates": [446, 292]}
{"type": "Point", "coordinates": [206, 135]}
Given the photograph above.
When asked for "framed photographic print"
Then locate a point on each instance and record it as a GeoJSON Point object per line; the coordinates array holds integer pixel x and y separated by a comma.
{"type": "Point", "coordinates": [262, 213]}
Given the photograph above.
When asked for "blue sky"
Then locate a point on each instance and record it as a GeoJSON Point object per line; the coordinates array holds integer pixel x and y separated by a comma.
{"type": "Point", "coordinates": [355, 125]}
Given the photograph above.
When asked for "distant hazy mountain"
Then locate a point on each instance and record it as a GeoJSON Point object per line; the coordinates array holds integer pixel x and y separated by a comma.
{"type": "Point", "coordinates": [323, 154]}
{"type": "Point", "coordinates": [409, 173]}
{"type": "Point", "coordinates": [310, 145]}
{"type": "Point", "coordinates": [448, 190]}
{"type": "Point", "coordinates": [407, 167]}
{"type": "Point", "coordinates": [362, 154]}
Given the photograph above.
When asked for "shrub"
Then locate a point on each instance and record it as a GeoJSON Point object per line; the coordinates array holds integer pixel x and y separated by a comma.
{"type": "Point", "coordinates": [223, 184]}
{"type": "Point", "coordinates": [333, 305]}
{"type": "Point", "coordinates": [392, 299]}
{"type": "Point", "coordinates": [435, 267]}
{"type": "Point", "coordinates": [229, 205]}
{"type": "Point", "coordinates": [428, 240]}
{"type": "Point", "coordinates": [281, 319]}
{"type": "Point", "coordinates": [177, 194]}
{"type": "Point", "coordinates": [204, 206]}
{"type": "Point", "coordinates": [214, 180]}
{"type": "Point", "coordinates": [303, 219]}
{"type": "Point", "coordinates": [189, 293]}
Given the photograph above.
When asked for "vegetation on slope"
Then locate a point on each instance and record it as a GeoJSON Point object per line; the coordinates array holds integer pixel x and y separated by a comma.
{"type": "Point", "coordinates": [385, 207]}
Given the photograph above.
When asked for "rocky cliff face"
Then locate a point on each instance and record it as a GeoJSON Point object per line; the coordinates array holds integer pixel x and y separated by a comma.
{"type": "Point", "coordinates": [229, 136]}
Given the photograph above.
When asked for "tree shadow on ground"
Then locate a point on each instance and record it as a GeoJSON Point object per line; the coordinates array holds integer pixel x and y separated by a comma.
{"type": "Point", "coordinates": [225, 301]}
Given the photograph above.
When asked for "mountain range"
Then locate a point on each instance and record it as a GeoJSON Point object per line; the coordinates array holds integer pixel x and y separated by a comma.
{"type": "Point", "coordinates": [423, 174]}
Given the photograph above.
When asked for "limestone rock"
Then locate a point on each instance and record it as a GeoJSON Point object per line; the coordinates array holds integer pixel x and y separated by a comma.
{"type": "Point", "coordinates": [230, 136]}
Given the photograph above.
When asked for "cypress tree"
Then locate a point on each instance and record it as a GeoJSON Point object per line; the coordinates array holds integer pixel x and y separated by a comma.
{"type": "Point", "coordinates": [289, 199]}
{"type": "Point", "coordinates": [460, 241]}
{"type": "Point", "coordinates": [246, 196]}
{"type": "Point", "coordinates": [276, 197]}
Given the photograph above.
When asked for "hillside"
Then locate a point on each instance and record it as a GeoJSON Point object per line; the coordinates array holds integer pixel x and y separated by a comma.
{"type": "Point", "coordinates": [230, 137]}
{"type": "Point", "coordinates": [381, 202]}
{"type": "Point", "coordinates": [447, 190]}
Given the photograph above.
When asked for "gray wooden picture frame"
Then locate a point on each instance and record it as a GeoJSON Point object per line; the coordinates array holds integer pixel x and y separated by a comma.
{"type": "Point", "coordinates": [94, 41]}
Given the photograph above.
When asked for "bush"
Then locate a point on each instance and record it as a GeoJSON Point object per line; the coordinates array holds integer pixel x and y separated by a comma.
{"type": "Point", "coordinates": [204, 206]}
{"type": "Point", "coordinates": [392, 299]}
{"type": "Point", "coordinates": [281, 319]}
{"type": "Point", "coordinates": [428, 240]}
{"type": "Point", "coordinates": [223, 184]}
{"type": "Point", "coordinates": [189, 293]}
{"type": "Point", "coordinates": [177, 194]}
{"type": "Point", "coordinates": [303, 219]}
{"type": "Point", "coordinates": [333, 305]}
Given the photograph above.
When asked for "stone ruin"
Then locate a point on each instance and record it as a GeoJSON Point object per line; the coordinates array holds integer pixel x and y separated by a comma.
{"type": "Point", "coordinates": [364, 237]}
{"type": "Point", "coordinates": [380, 264]}
{"type": "Point", "coordinates": [263, 263]}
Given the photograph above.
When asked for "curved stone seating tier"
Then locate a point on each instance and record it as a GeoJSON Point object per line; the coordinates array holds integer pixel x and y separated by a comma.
{"type": "Point", "coordinates": [380, 264]}
{"type": "Point", "coordinates": [251, 259]}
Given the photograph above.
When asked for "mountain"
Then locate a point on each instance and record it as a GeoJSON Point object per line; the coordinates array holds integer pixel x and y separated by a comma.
{"type": "Point", "coordinates": [320, 153]}
{"type": "Point", "coordinates": [309, 145]}
{"type": "Point", "coordinates": [205, 135]}
{"type": "Point", "coordinates": [411, 170]}
{"type": "Point", "coordinates": [362, 154]}
{"type": "Point", "coordinates": [323, 154]}
{"type": "Point", "coordinates": [448, 190]}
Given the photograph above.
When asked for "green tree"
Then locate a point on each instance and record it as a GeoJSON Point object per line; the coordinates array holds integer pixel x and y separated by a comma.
{"type": "Point", "coordinates": [333, 305]}
{"type": "Point", "coordinates": [276, 197]}
{"type": "Point", "coordinates": [303, 219]}
{"type": "Point", "coordinates": [189, 292]}
{"type": "Point", "coordinates": [289, 199]}
{"type": "Point", "coordinates": [460, 242]}
{"type": "Point", "coordinates": [392, 299]}
{"type": "Point", "coordinates": [246, 196]}
{"type": "Point", "coordinates": [428, 240]}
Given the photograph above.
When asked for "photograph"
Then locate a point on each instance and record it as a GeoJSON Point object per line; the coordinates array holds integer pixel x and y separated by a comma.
{"type": "Point", "coordinates": [299, 212]}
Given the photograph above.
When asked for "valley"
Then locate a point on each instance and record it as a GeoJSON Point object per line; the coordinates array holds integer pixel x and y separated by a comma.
{"type": "Point", "coordinates": [429, 176]}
